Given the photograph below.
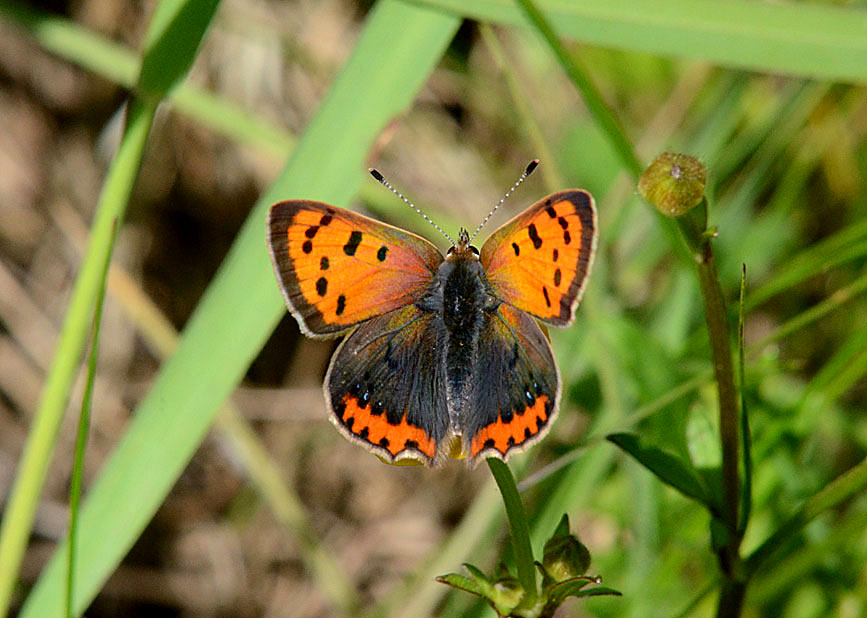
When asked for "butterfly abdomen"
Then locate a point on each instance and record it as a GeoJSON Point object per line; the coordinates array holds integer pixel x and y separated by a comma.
{"type": "Point", "coordinates": [458, 297]}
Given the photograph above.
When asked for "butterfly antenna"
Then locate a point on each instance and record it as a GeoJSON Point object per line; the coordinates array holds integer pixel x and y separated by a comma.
{"type": "Point", "coordinates": [523, 177]}
{"type": "Point", "coordinates": [375, 173]}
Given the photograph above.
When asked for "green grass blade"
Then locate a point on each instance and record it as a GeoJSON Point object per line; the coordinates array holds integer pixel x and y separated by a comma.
{"type": "Point", "coordinates": [243, 304]}
{"type": "Point", "coordinates": [592, 97]}
{"type": "Point", "coordinates": [850, 483]}
{"type": "Point", "coordinates": [808, 40]}
{"type": "Point", "coordinates": [32, 468]}
{"type": "Point", "coordinates": [175, 32]}
{"type": "Point", "coordinates": [83, 428]}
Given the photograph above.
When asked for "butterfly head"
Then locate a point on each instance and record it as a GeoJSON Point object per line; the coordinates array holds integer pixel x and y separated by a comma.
{"type": "Point", "coordinates": [463, 251]}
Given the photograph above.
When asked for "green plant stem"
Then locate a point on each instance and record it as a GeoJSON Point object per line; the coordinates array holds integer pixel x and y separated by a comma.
{"type": "Point", "coordinates": [35, 459]}
{"type": "Point", "coordinates": [83, 427]}
{"type": "Point", "coordinates": [717, 324]}
{"type": "Point", "coordinates": [718, 328]}
{"type": "Point", "coordinates": [693, 225]}
{"type": "Point", "coordinates": [519, 527]}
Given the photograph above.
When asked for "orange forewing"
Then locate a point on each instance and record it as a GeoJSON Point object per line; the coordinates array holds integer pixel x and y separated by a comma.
{"type": "Point", "coordinates": [539, 261]}
{"type": "Point", "coordinates": [338, 268]}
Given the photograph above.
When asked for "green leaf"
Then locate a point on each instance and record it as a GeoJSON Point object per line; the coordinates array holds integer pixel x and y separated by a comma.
{"type": "Point", "coordinates": [670, 469]}
{"type": "Point", "coordinates": [808, 40]}
{"type": "Point", "coordinates": [576, 587]}
{"type": "Point", "coordinates": [467, 584]}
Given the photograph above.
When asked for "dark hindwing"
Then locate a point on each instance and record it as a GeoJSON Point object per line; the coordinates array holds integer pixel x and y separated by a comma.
{"type": "Point", "coordinates": [386, 386]}
{"type": "Point", "coordinates": [517, 390]}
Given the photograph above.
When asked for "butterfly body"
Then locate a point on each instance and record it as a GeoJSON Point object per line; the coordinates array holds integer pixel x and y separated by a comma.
{"type": "Point", "coordinates": [436, 347]}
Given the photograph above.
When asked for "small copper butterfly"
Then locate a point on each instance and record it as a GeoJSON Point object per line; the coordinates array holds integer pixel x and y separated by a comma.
{"type": "Point", "coordinates": [436, 347]}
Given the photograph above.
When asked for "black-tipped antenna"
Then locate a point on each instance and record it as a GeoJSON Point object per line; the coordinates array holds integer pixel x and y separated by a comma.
{"type": "Point", "coordinates": [375, 173]}
{"type": "Point", "coordinates": [532, 165]}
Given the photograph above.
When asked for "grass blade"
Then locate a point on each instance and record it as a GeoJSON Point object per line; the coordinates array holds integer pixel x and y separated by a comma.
{"type": "Point", "coordinates": [808, 40]}
{"type": "Point", "coordinates": [83, 427]}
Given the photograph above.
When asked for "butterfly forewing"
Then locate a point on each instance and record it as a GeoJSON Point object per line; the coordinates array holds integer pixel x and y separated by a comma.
{"type": "Point", "coordinates": [338, 268]}
{"type": "Point", "coordinates": [539, 261]}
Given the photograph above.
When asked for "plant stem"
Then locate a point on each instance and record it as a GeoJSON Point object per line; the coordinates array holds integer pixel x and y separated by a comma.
{"type": "Point", "coordinates": [718, 328]}
{"type": "Point", "coordinates": [519, 527]}
{"type": "Point", "coordinates": [83, 426]}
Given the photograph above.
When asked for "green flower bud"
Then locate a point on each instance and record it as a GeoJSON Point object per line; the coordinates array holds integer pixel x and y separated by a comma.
{"type": "Point", "coordinates": [674, 183]}
{"type": "Point", "coordinates": [565, 557]}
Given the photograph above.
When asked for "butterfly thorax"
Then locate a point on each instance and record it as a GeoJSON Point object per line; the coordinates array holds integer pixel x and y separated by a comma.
{"type": "Point", "coordinates": [460, 298]}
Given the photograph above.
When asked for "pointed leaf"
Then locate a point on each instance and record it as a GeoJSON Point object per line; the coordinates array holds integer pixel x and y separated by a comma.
{"type": "Point", "coordinates": [562, 527]}
{"type": "Point", "coordinates": [670, 469]}
{"type": "Point", "coordinates": [462, 582]}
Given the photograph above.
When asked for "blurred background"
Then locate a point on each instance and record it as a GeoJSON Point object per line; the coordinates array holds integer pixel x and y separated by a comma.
{"type": "Point", "coordinates": [786, 158]}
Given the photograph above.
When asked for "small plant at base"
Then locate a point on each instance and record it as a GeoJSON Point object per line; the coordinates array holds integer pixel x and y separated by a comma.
{"type": "Point", "coordinates": [565, 561]}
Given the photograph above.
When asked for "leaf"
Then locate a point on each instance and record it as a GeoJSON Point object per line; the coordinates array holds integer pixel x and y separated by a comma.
{"type": "Point", "coordinates": [670, 469]}
{"type": "Point", "coordinates": [809, 40]}
{"type": "Point", "coordinates": [467, 584]}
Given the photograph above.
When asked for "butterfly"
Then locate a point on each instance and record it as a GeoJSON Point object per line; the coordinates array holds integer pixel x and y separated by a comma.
{"type": "Point", "coordinates": [436, 347]}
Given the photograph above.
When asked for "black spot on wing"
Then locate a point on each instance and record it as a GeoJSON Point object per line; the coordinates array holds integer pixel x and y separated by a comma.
{"type": "Point", "coordinates": [516, 248]}
{"type": "Point", "coordinates": [534, 235]}
{"type": "Point", "coordinates": [380, 255]}
{"type": "Point", "coordinates": [322, 286]}
{"type": "Point", "coordinates": [557, 277]}
{"type": "Point", "coordinates": [341, 304]}
{"type": "Point", "coordinates": [325, 220]}
{"type": "Point", "coordinates": [545, 294]}
{"type": "Point", "coordinates": [323, 263]}
{"type": "Point", "coordinates": [307, 247]}
{"type": "Point", "coordinates": [567, 237]}
{"type": "Point", "coordinates": [551, 212]}
{"type": "Point", "coordinates": [310, 232]}
{"type": "Point", "coordinates": [352, 244]}
{"type": "Point", "coordinates": [556, 255]}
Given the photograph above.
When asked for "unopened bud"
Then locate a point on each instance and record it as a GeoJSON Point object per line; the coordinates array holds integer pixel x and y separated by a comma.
{"type": "Point", "coordinates": [674, 183]}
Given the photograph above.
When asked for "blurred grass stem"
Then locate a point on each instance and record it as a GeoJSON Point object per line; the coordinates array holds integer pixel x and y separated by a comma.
{"type": "Point", "coordinates": [41, 439]}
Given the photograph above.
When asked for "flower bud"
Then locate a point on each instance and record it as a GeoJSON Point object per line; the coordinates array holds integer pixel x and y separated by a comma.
{"type": "Point", "coordinates": [674, 183]}
{"type": "Point", "coordinates": [565, 557]}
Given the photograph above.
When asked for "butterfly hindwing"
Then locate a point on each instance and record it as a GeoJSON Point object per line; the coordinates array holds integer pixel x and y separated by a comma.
{"type": "Point", "coordinates": [539, 261]}
{"type": "Point", "coordinates": [386, 386]}
{"type": "Point", "coordinates": [515, 398]}
{"type": "Point", "coordinates": [338, 268]}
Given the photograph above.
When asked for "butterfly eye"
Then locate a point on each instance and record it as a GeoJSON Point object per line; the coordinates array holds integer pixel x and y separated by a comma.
{"type": "Point", "coordinates": [450, 251]}
{"type": "Point", "coordinates": [474, 250]}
